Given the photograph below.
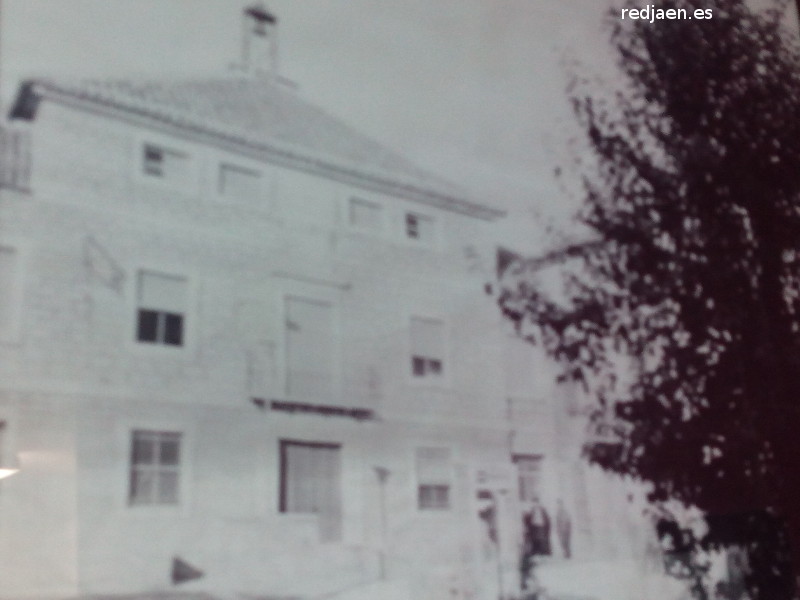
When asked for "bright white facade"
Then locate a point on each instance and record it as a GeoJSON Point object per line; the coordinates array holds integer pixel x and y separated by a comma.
{"type": "Point", "coordinates": [236, 333]}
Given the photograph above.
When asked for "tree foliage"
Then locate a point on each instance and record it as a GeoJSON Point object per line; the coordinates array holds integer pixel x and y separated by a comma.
{"type": "Point", "coordinates": [693, 195]}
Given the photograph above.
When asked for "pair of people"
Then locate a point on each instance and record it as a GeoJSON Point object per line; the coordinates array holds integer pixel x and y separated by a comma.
{"type": "Point", "coordinates": [536, 536]}
{"type": "Point", "coordinates": [536, 529]}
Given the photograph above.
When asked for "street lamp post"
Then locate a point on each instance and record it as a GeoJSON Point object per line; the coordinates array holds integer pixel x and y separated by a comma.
{"type": "Point", "coordinates": [383, 476]}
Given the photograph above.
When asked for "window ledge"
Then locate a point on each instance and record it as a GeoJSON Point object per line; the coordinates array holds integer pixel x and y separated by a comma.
{"type": "Point", "coordinates": [433, 513]}
{"type": "Point", "coordinates": [300, 518]}
{"type": "Point", "coordinates": [159, 349]}
{"type": "Point", "coordinates": [440, 386]}
{"type": "Point", "coordinates": [147, 511]}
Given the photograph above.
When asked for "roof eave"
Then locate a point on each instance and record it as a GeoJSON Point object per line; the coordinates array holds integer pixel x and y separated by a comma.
{"type": "Point", "coordinates": [31, 93]}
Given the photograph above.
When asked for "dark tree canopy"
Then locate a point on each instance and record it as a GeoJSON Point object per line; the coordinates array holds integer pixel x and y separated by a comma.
{"type": "Point", "coordinates": [693, 194]}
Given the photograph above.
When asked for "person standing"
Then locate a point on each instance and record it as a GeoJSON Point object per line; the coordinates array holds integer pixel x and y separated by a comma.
{"type": "Point", "coordinates": [564, 529]}
{"type": "Point", "coordinates": [535, 541]}
{"type": "Point", "coordinates": [537, 528]}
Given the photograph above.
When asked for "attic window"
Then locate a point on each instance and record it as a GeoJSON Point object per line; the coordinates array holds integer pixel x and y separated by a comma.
{"type": "Point", "coordinates": [365, 215]}
{"type": "Point", "coordinates": [165, 163]}
{"type": "Point", "coordinates": [239, 182]}
{"type": "Point", "coordinates": [419, 227]}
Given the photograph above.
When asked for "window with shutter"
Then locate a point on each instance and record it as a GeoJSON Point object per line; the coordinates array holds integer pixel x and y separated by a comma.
{"type": "Point", "coordinates": [166, 164]}
{"type": "Point", "coordinates": [419, 228]}
{"type": "Point", "coordinates": [427, 348]}
{"type": "Point", "coordinates": [161, 305]}
{"type": "Point", "coordinates": [434, 478]}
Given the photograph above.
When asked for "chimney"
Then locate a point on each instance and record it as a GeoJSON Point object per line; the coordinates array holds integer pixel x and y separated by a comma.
{"type": "Point", "coordinates": [260, 42]}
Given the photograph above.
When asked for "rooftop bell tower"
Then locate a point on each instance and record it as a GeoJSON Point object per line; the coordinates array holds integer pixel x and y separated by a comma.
{"type": "Point", "coordinates": [259, 41]}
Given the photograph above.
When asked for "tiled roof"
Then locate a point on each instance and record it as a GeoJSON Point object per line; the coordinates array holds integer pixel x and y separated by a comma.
{"type": "Point", "coordinates": [263, 117]}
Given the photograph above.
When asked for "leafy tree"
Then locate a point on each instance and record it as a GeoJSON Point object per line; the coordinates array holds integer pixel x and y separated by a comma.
{"type": "Point", "coordinates": [691, 188]}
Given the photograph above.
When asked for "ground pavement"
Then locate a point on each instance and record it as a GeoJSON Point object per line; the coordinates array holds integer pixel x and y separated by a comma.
{"type": "Point", "coordinates": [607, 580]}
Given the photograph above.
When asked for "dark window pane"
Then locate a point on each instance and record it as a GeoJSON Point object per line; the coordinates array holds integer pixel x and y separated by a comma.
{"type": "Point", "coordinates": [170, 453]}
{"type": "Point", "coordinates": [443, 496]}
{"type": "Point", "coordinates": [426, 496]}
{"type": "Point", "coordinates": [418, 366]}
{"type": "Point", "coordinates": [435, 366]}
{"type": "Point", "coordinates": [155, 472]}
{"type": "Point", "coordinates": [142, 450]}
{"type": "Point", "coordinates": [434, 496]}
{"type": "Point", "coordinates": [412, 226]}
{"type": "Point", "coordinates": [173, 329]}
{"type": "Point", "coordinates": [153, 161]}
{"type": "Point", "coordinates": [152, 153]}
{"type": "Point", "coordinates": [148, 326]}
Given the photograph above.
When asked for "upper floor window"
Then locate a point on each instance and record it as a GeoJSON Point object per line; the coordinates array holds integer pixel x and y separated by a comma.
{"type": "Point", "coordinates": [427, 348]}
{"type": "Point", "coordinates": [419, 227]}
{"type": "Point", "coordinates": [166, 164]}
{"type": "Point", "coordinates": [433, 478]}
{"type": "Point", "coordinates": [309, 347]}
{"type": "Point", "coordinates": [366, 215]}
{"type": "Point", "coordinates": [161, 304]}
{"type": "Point", "coordinates": [239, 182]}
{"type": "Point", "coordinates": [9, 292]}
{"type": "Point", "coordinates": [155, 467]}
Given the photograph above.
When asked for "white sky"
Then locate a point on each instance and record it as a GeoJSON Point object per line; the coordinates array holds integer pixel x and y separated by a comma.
{"type": "Point", "coordinates": [472, 90]}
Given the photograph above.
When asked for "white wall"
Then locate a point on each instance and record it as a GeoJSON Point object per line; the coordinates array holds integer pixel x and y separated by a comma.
{"type": "Point", "coordinates": [92, 221]}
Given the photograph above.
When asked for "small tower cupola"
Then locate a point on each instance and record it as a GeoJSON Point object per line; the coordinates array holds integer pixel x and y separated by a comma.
{"type": "Point", "coordinates": [260, 41]}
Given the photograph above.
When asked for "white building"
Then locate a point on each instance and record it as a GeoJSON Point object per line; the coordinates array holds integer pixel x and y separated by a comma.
{"type": "Point", "coordinates": [237, 334]}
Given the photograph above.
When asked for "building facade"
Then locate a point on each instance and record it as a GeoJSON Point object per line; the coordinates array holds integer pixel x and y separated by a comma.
{"type": "Point", "coordinates": [238, 338]}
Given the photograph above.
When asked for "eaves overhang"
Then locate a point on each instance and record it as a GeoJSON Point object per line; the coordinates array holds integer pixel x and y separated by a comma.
{"type": "Point", "coordinates": [277, 152]}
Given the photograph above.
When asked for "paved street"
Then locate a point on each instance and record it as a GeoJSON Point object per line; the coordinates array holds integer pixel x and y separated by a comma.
{"type": "Point", "coordinates": [607, 580]}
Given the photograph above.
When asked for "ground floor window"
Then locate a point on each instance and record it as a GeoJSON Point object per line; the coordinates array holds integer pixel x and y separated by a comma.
{"type": "Point", "coordinates": [155, 467]}
{"type": "Point", "coordinates": [434, 474]}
